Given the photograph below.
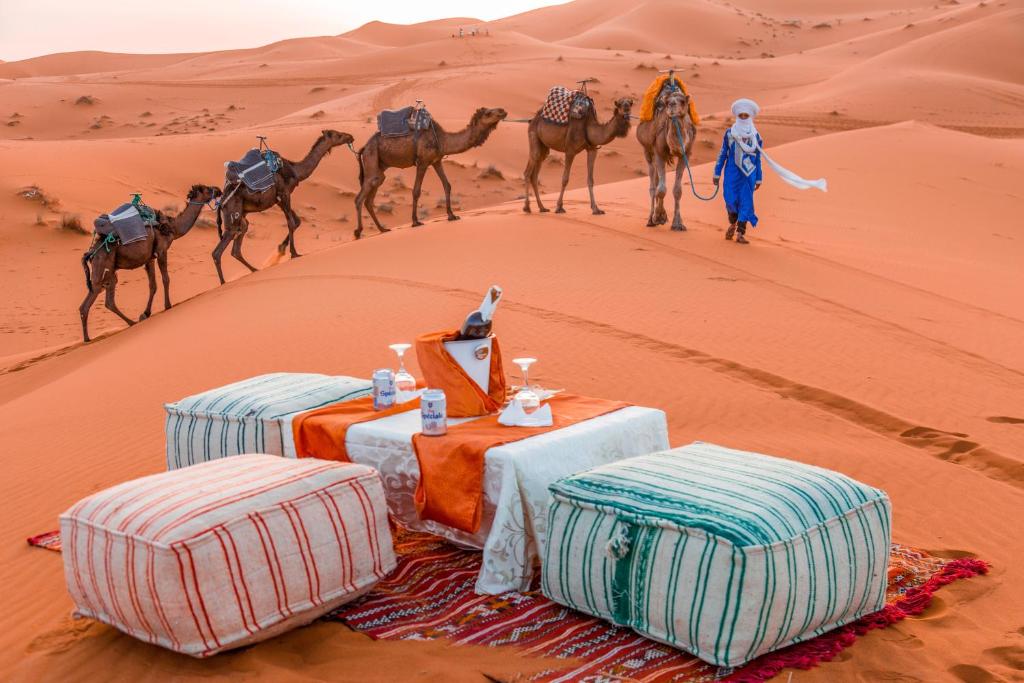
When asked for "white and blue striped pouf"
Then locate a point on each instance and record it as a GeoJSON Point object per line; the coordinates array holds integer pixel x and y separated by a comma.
{"type": "Point", "coordinates": [722, 553]}
{"type": "Point", "coordinates": [251, 416]}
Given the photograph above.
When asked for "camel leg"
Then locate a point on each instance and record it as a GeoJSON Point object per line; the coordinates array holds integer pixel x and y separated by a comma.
{"type": "Point", "coordinates": [293, 220]}
{"type": "Point", "coordinates": [527, 177]}
{"type": "Point", "coordinates": [161, 261]}
{"type": "Point", "coordinates": [565, 181]}
{"type": "Point", "coordinates": [417, 185]}
{"type": "Point", "coordinates": [225, 240]}
{"type": "Point", "coordinates": [591, 158]}
{"type": "Point", "coordinates": [439, 169]}
{"type": "Point", "coordinates": [90, 299]}
{"type": "Point", "coordinates": [151, 274]}
{"type": "Point", "coordinates": [535, 179]}
{"type": "Point", "coordinates": [652, 175]}
{"type": "Point", "coordinates": [677, 194]}
{"type": "Point", "coordinates": [364, 190]}
{"type": "Point", "coordinates": [111, 304]}
{"type": "Point", "coordinates": [369, 204]}
{"type": "Point", "coordinates": [660, 217]}
{"type": "Point", "coordinates": [236, 251]}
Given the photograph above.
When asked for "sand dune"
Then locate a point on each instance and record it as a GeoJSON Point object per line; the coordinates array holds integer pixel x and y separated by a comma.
{"type": "Point", "coordinates": [876, 329]}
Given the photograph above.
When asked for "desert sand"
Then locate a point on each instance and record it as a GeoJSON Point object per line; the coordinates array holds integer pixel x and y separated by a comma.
{"type": "Point", "coordinates": [877, 329]}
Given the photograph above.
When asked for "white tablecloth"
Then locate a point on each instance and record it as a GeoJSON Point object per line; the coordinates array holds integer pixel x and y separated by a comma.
{"type": "Point", "coordinates": [513, 530]}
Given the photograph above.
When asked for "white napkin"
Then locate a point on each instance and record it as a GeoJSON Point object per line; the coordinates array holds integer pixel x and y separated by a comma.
{"type": "Point", "coordinates": [515, 416]}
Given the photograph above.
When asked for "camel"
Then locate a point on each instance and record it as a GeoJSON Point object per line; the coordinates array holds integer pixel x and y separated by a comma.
{"type": "Point", "coordinates": [581, 133]}
{"type": "Point", "coordinates": [102, 261]}
{"type": "Point", "coordinates": [240, 200]}
{"type": "Point", "coordinates": [660, 140]}
{"type": "Point", "coordinates": [427, 149]}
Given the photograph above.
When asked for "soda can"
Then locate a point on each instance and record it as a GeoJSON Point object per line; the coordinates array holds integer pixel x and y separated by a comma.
{"type": "Point", "coordinates": [434, 413]}
{"type": "Point", "coordinates": [383, 389]}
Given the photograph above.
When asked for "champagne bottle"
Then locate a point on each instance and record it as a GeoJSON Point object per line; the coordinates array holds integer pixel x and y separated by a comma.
{"type": "Point", "coordinates": [478, 323]}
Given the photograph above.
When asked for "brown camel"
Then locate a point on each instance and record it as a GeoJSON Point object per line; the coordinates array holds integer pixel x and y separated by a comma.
{"type": "Point", "coordinates": [660, 139]}
{"type": "Point", "coordinates": [423, 151]}
{"type": "Point", "coordinates": [581, 133]}
{"type": "Point", "coordinates": [240, 200]}
{"type": "Point", "coordinates": [102, 263]}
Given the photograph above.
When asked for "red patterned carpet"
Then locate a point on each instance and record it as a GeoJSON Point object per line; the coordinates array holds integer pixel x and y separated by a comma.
{"type": "Point", "coordinates": [430, 595]}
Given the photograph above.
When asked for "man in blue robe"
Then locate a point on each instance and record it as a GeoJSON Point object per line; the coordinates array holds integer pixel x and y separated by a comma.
{"type": "Point", "coordinates": [740, 160]}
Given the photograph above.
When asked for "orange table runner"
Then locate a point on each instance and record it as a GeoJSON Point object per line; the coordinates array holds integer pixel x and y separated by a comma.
{"type": "Point", "coordinates": [320, 433]}
{"type": "Point", "coordinates": [451, 486]}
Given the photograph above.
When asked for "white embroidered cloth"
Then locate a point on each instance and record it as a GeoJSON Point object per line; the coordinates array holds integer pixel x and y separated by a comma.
{"type": "Point", "coordinates": [513, 530]}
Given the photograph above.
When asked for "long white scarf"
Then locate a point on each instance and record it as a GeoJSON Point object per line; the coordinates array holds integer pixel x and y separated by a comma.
{"type": "Point", "coordinates": [744, 133]}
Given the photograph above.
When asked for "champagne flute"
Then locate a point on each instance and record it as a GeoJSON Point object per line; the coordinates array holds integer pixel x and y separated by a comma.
{"type": "Point", "coordinates": [405, 383]}
{"type": "Point", "coordinates": [527, 397]}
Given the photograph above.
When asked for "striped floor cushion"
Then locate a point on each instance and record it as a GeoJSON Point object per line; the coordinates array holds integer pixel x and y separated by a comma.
{"type": "Point", "coordinates": [251, 416]}
{"type": "Point", "coordinates": [722, 553]}
{"type": "Point", "coordinates": [227, 553]}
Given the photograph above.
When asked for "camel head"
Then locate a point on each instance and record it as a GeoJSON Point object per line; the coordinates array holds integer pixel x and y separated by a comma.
{"type": "Point", "coordinates": [333, 138]}
{"type": "Point", "coordinates": [489, 118]}
{"type": "Point", "coordinates": [677, 104]}
{"type": "Point", "coordinates": [203, 194]}
{"type": "Point", "coordinates": [624, 106]}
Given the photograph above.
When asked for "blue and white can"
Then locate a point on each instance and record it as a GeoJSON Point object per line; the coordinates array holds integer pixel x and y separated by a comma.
{"type": "Point", "coordinates": [384, 393]}
{"type": "Point", "coordinates": [434, 413]}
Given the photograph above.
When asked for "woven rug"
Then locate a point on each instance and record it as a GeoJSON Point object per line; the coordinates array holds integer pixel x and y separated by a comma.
{"type": "Point", "coordinates": [430, 596]}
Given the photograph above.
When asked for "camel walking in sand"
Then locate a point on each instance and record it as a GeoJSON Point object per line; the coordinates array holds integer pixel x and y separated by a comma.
{"type": "Point", "coordinates": [102, 261]}
{"type": "Point", "coordinates": [426, 150]}
{"type": "Point", "coordinates": [240, 200]}
{"type": "Point", "coordinates": [583, 132]}
{"type": "Point", "coordinates": [660, 139]}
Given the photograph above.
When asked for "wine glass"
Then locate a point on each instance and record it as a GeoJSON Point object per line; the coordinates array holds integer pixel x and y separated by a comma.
{"type": "Point", "coordinates": [404, 382]}
{"type": "Point", "coordinates": [527, 397]}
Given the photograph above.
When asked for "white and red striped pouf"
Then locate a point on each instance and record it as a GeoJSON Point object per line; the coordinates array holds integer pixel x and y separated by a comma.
{"type": "Point", "coordinates": [229, 552]}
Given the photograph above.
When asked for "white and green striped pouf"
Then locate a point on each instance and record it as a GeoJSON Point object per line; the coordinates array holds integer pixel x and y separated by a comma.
{"type": "Point", "coordinates": [722, 553]}
{"type": "Point", "coordinates": [251, 416]}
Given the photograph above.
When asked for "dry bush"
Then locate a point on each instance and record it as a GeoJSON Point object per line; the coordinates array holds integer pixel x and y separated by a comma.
{"type": "Point", "coordinates": [86, 100]}
{"type": "Point", "coordinates": [491, 172]}
{"type": "Point", "coordinates": [72, 223]}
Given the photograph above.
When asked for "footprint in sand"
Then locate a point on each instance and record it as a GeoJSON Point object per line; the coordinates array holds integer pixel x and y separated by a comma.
{"type": "Point", "coordinates": [63, 638]}
{"type": "Point", "coordinates": [1011, 656]}
{"type": "Point", "coordinates": [971, 674]}
{"type": "Point", "coordinates": [1004, 419]}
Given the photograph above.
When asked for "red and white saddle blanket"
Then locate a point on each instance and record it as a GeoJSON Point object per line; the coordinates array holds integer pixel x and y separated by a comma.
{"type": "Point", "coordinates": [558, 104]}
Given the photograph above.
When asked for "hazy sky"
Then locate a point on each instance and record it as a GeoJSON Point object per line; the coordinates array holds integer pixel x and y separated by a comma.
{"type": "Point", "coordinates": [29, 28]}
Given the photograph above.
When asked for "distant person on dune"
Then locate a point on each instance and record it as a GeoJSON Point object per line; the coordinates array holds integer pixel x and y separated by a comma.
{"type": "Point", "coordinates": [740, 158]}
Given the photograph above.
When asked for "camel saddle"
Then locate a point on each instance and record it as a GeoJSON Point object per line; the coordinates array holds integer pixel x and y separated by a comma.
{"type": "Point", "coordinates": [559, 103]}
{"type": "Point", "coordinates": [256, 169]}
{"type": "Point", "coordinates": [127, 223]}
{"type": "Point", "coordinates": [395, 123]}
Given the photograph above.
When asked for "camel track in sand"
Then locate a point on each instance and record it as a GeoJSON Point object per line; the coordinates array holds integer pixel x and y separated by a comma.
{"type": "Point", "coordinates": [954, 447]}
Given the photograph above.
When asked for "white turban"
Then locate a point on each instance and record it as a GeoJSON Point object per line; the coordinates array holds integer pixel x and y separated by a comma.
{"type": "Point", "coordinates": [745, 106]}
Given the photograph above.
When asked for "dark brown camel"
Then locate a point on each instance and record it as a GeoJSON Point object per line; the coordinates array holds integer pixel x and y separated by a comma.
{"type": "Point", "coordinates": [428, 150]}
{"type": "Point", "coordinates": [581, 133]}
{"type": "Point", "coordinates": [240, 200]}
{"type": "Point", "coordinates": [101, 265]}
{"type": "Point", "coordinates": [660, 140]}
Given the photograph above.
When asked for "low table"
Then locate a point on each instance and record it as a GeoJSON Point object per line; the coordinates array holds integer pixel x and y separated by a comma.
{"type": "Point", "coordinates": [513, 530]}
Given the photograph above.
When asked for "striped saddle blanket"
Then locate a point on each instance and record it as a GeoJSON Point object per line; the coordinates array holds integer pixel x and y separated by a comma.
{"type": "Point", "coordinates": [127, 222]}
{"type": "Point", "coordinates": [393, 123]}
{"type": "Point", "coordinates": [559, 104]}
{"type": "Point", "coordinates": [256, 169]}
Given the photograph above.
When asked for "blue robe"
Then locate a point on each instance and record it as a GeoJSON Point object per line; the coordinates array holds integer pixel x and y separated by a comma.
{"type": "Point", "coordinates": [737, 186]}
